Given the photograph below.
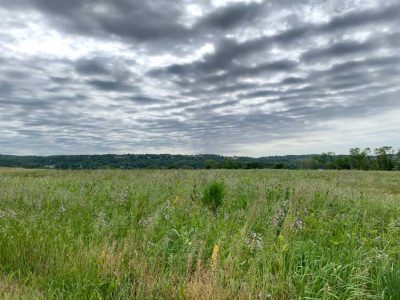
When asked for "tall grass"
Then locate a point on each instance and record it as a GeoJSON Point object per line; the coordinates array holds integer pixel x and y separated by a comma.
{"type": "Point", "coordinates": [213, 195]}
{"type": "Point", "coordinates": [143, 235]}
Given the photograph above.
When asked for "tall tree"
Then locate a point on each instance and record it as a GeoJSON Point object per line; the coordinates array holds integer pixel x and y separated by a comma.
{"type": "Point", "coordinates": [385, 158]}
{"type": "Point", "coordinates": [360, 160]}
{"type": "Point", "coordinates": [326, 160]}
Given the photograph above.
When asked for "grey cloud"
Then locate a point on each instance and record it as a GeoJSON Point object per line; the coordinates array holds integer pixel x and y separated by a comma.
{"type": "Point", "coordinates": [109, 86]}
{"type": "Point", "coordinates": [5, 89]}
{"type": "Point", "coordinates": [222, 60]}
{"type": "Point", "coordinates": [232, 15]}
{"type": "Point", "coordinates": [244, 92]}
{"type": "Point", "coordinates": [132, 19]}
{"type": "Point", "coordinates": [261, 93]}
{"type": "Point", "coordinates": [340, 49]}
{"type": "Point", "coordinates": [389, 11]}
{"type": "Point", "coordinates": [229, 50]}
{"type": "Point", "coordinates": [226, 51]}
{"type": "Point", "coordinates": [140, 20]}
{"type": "Point", "coordinates": [241, 71]}
{"type": "Point", "coordinates": [293, 80]}
{"type": "Point", "coordinates": [152, 20]}
{"type": "Point", "coordinates": [91, 67]}
{"type": "Point", "coordinates": [60, 80]}
{"type": "Point", "coordinates": [145, 100]}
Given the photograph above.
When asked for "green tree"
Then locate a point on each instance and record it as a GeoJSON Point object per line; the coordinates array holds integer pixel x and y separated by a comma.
{"type": "Point", "coordinates": [326, 160]}
{"type": "Point", "coordinates": [341, 163]}
{"type": "Point", "coordinates": [398, 160]}
{"type": "Point", "coordinates": [209, 164]}
{"type": "Point", "coordinates": [253, 165]}
{"type": "Point", "coordinates": [309, 163]}
{"type": "Point", "coordinates": [385, 158]}
{"type": "Point", "coordinates": [230, 163]}
{"type": "Point", "coordinates": [360, 160]}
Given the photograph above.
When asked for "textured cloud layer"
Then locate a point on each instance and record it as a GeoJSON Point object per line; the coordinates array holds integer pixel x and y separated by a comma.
{"type": "Point", "coordinates": [199, 76]}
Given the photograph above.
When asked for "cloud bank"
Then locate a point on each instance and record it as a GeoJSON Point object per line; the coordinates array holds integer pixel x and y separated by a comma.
{"type": "Point", "coordinates": [201, 76]}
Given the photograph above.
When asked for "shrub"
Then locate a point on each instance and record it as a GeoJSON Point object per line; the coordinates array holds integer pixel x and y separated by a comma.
{"type": "Point", "coordinates": [213, 194]}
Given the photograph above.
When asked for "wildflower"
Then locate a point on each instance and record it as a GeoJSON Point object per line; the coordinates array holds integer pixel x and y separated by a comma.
{"type": "Point", "coordinates": [254, 241]}
{"type": "Point", "coordinates": [101, 220]}
{"type": "Point", "coordinates": [261, 295]}
{"type": "Point", "coordinates": [148, 221]}
{"type": "Point", "coordinates": [166, 210]}
{"type": "Point", "coordinates": [195, 195]}
{"type": "Point", "coordinates": [9, 213]}
{"type": "Point", "coordinates": [278, 217]}
{"type": "Point", "coordinates": [381, 255]}
{"type": "Point", "coordinates": [122, 196]}
{"type": "Point", "coordinates": [214, 257]}
{"type": "Point", "coordinates": [327, 288]}
{"type": "Point", "coordinates": [280, 214]}
{"type": "Point", "coordinates": [298, 224]}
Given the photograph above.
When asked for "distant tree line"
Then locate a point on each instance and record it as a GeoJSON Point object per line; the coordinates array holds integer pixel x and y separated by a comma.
{"type": "Point", "coordinates": [151, 161]}
{"type": "Point", "coordinates": [383, 158]}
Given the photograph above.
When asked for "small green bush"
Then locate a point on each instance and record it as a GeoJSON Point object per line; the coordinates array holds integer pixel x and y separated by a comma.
{"type": "Point", "coordinates": [213, 194]}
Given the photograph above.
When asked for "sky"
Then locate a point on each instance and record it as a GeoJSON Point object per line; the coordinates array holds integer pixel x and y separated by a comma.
{"type": "Point", "coordinates": [248, 78]}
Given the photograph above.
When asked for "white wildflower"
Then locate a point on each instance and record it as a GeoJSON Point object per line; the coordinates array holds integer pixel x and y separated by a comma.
{"type": "Point", "coordinates": [254, 241]}
{"type": "Point", "coordinates": [381, 255]}
{"type": "Point", "coordinates": [298, 224]}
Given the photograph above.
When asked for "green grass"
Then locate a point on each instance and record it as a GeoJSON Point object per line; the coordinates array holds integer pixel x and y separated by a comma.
{"type": "Point", "coordinates": [147, 235]}
{"type": "Point", "coordinates": [213, 194]}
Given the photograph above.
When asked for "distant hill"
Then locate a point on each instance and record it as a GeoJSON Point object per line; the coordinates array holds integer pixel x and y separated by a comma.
{"type": "Point", "coordinates": [385, 158]}
{"type": "Point", "coordinates": [152, 161]}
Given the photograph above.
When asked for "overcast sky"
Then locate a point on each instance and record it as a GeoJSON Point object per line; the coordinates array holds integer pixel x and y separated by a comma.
{"type": "Point", "coordinates": [231, 77]}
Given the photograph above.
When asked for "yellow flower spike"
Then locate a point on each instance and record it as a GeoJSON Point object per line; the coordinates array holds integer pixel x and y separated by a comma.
{"type": "Point", "coordinates": [214, 256]}
{"type": "Point", "coordinates": [176, 200]}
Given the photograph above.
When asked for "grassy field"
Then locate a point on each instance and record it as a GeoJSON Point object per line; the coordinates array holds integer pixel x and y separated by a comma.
{"type": "Point", "coordinates": [147, 235]}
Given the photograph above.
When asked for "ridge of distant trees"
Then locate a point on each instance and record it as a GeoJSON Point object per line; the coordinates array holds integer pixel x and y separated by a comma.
{"type": "Point", "coordinates": [383, 158]}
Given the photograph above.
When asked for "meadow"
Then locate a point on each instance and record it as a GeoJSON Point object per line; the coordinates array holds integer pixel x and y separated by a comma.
{"type": "Point", "coordinates": [151, 234]}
